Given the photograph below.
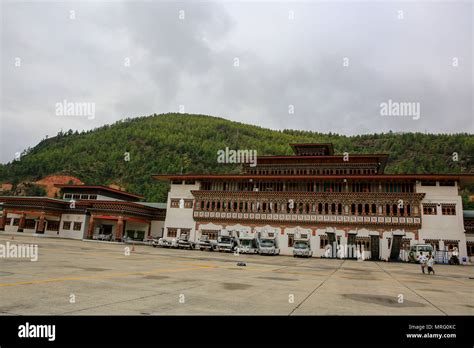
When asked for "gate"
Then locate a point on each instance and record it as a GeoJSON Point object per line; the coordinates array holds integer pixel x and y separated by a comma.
{"type": "Point", "coordinates": [332, 242]}
{"type": "Point", "coordinates": [396, 246]}
{"type": "Point", "coordinates": [351, 246]}
{"type": "Point", "coordinates": [374, 247]}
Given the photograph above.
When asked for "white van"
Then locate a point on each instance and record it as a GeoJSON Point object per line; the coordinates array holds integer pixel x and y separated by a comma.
{"type": "Point", "coordinates": [416, 250]}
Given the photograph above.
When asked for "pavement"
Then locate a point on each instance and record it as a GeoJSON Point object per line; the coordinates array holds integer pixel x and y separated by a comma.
{"type": "Point", "coordinates": [73, 277]}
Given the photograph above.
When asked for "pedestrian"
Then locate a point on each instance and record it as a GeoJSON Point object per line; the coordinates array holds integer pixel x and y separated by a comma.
{"type": "Point", "coordinates": [430, 264]}
{"type": "Point", "coordinates": [422, 258]}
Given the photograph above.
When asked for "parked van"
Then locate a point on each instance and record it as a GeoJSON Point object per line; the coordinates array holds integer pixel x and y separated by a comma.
{"type": "Point", "coordinates": [417, 249]}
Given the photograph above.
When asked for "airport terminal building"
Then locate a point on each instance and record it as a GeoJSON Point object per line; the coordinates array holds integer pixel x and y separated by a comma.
{"type": "Point", "coordinates": [344, 199]}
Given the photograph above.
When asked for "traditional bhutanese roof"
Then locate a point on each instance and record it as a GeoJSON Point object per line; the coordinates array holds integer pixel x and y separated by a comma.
{"type": "Point", "coordinates": [463, 178]}
{"type": "Point", "coordinates": [313, 149]}
{"type": "Point", "coordinates": [379, 159]}
{"type": "Point", "coordinates": [34, 203]}
{"type": "Point", "coordinates": [60, 206]}
{"type": "Point", "coordinates": [322, 153]}
{"type": "Point", "coordinates": [100, 188]}
{"type": "Point", "coordinates": [33, 198]}
{"type": "Point", "coordinates": [323, 159]}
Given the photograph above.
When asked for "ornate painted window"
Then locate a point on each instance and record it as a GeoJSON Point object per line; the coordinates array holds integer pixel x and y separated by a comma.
{"type": "Point", "coordinates": [172, 232]}
{"type": "Point", "coordinates": [448, 209]}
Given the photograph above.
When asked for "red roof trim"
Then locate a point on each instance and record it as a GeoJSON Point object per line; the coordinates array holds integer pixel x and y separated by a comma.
{"type": "Point", "coordinates": [312, 177]}
{"type": "Point", "coordinates": [335, 156]}
{"type": "Point", "coordinates": [381, 155]}
{"type": "Point", "coordinates": [79, 203]}
{"type": "Point", "coordinates": [32, 199]}
{"type": "Point", "coordinates": [131, 204]}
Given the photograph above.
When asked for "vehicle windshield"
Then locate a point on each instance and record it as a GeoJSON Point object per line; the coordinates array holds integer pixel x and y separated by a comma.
{"type": "Point", "coordinates": [246, 242]}
{"type": "Point", "coordinates": [425, 248]}
{"type": "Point", "coordinates": [224, 239]}
{"type": "Point", "coordinates": [300, 245]}
{"type": "Point", "coordinates": [267, 243]}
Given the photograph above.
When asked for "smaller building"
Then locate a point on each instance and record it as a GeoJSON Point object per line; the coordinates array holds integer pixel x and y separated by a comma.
{"type": "Point", "coordinates": [84, 211]}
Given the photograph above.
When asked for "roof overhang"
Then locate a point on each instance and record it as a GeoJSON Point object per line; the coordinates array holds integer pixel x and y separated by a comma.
{"type": "Point", "coordinates": [308, 148]}
{"type": "Point", "coordinates": [462, 178]}
{"type": "Point", "coordinates": [379, 159]}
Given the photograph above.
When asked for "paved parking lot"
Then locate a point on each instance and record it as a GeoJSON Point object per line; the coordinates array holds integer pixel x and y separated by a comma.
{"type": "Point", "coordinates": [79, 277]}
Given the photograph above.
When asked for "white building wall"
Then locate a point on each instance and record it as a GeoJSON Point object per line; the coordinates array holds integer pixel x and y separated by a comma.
{"type": "Point", "coordinates": [439, 226]}
{"type": "Point", "coordinates": [209, 226]}
{"type": "Point", "coordinates": [239, 228]}
{"type": "Point", "coordinates": [157, 228]}
{"type": "Point", "coordinates": [180, 217]}
{"type": "Point", "coordinates": [107, 198]}
{"type": "Point", "coordinates": [82, 218]}
{"type": "Point", "coordinates": [11, 228]}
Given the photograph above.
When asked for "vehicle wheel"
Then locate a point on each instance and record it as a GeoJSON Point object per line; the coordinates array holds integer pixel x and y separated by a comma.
{"type": "Point", "coordinates": [154, 246]}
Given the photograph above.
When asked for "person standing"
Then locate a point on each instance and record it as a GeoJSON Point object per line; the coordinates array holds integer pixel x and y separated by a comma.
{"type": "Point", "coordinates": [422, 258]}
{"type": "Point", "coordinates": [430, 264]}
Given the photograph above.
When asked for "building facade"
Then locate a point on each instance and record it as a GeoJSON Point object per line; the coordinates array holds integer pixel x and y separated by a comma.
{"type": "Point", "coordinates": [344, 199]}
{"type": "Point", "coordinates": [84, 212]}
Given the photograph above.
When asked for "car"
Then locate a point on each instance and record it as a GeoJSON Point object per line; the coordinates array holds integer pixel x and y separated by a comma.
{"type": "Point", "coordinates": [161, 242]}
{"type": "Point", "coordinates": [205, 243]}
{"type": "Point", "coordinates": [184, 242]}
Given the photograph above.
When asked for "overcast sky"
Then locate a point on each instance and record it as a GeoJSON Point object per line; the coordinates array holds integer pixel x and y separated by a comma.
{"type": "Point", "coordinates": [321, 66]}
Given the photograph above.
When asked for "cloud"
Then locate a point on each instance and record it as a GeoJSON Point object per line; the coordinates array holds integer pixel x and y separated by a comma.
{"type": "Point", "coordinates": [289, 54]}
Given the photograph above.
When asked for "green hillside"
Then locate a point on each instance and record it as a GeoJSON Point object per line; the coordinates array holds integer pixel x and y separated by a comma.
{"type": "Point", "coordinates": [170, 143]}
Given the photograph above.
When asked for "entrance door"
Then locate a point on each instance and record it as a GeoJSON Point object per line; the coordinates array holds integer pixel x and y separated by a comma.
{"type": "Point", "coordinates": [396, 245]}
{"type": "Point", "coordinates": [351, 246]}
{"type": "Point", "coordinates": [106, 229]}
{"type": "Point", "coordinates": [374, 247]}
{"type": "Point", "coordinates": [332, 243]}
{"type": "Point", "coordinates": [40, 227]}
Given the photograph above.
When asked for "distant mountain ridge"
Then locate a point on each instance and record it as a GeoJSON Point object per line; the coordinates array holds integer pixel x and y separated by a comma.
{"type": "Point", "coordinates": [129, 151]}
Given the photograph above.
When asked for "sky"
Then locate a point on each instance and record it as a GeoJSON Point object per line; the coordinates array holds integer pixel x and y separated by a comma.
{"type": "Point", "coordinates": [347, 67]}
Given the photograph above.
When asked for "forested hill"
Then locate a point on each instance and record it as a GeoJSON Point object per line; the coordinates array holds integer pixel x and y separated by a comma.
{"type": "Point", "coordinates": [170, 143]}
